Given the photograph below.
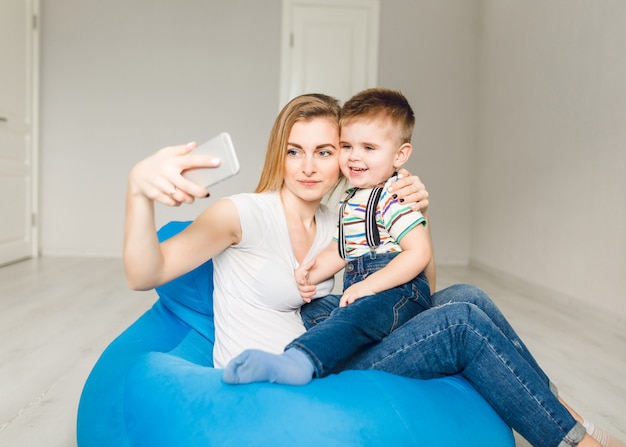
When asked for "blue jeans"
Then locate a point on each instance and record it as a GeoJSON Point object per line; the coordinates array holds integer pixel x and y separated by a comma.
{"type": "Point", "coordinates": [341, 332]}
{"type": "Point", "coordinates": [464, 333]}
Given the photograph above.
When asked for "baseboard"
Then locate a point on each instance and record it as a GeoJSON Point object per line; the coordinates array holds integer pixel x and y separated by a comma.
{"type": "Point", "coordinates": [546, 295]}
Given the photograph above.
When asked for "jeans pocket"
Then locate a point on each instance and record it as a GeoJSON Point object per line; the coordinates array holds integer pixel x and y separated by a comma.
{"type": "Point", "coordinates": [405, 309]}
{"type": "Point", "coordinates": [420, 291]}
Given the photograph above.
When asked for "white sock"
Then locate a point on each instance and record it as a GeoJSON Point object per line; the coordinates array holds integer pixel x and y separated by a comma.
{"type": "Point", "coordinates": [602, 436]}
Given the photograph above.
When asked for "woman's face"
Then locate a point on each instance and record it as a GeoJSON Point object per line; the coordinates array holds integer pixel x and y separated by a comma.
{"type": "Point", "coordinates": [311, 164]}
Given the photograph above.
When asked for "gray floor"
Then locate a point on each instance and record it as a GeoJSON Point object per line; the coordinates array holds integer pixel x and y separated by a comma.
{"type": "Point", "coordinates": [57, 315]}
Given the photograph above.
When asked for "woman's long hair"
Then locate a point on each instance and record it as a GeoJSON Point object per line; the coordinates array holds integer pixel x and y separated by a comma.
{"type": "Point", "coordinates": [301, 108]}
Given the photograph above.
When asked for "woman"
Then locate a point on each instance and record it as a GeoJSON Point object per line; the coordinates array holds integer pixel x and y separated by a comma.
{"type": "Point", "coordinates": [264, 236]}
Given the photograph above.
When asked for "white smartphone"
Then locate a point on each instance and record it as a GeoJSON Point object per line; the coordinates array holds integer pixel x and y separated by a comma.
{"type": "Point", "coordinates": [220, 147]}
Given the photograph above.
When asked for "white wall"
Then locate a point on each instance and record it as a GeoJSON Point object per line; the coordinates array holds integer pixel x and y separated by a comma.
{"type": "Point", "coordinates": [122, 79]}
{"type": "Point", "coordinates": [429, 51]}
{"type": "Point", "coordinates": [520, 138]}
{"type": "Point", "coordinates": [551, 164]}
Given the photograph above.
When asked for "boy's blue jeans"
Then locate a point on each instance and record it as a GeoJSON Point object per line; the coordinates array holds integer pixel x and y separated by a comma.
{"type": "Point", "coordinates": [341, 332]}
{"type": "Point", "coordinates": [465, 333]}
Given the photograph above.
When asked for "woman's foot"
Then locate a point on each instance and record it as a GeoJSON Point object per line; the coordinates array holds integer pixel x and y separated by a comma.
{"type": "Point", "coordinates": [604, 438]}
{"type": "Point", "coordinates": [292, 367]}
{"type": "Point", "coordinates": [599, 435]}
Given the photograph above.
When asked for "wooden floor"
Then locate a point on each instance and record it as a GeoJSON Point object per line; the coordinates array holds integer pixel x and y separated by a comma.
{"type": "Point", "coordinates": [58, 314]}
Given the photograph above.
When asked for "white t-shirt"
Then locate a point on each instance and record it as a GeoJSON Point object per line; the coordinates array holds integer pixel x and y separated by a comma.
{"type": "Point", "coordinates": [256, 300]}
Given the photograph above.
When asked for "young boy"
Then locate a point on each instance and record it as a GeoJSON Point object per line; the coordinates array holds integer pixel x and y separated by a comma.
{"type": "Point", "coordinates": [383, 245]}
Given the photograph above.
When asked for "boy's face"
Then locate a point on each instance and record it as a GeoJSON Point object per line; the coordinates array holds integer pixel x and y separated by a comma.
{"type": "Point", "coordinates": [370, 152]}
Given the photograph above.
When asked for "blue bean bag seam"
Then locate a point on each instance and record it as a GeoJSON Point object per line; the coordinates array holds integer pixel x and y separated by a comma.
{"type": "Point", "coordinates": [384, 392]}
{"type": "Point", "coordinates": [130, 366]}
{"type": "Point", "coordinates": [163, 307]}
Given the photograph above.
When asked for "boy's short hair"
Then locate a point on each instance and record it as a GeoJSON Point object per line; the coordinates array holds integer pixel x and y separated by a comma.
{"type": "Point", "coordinates": [381, 103]}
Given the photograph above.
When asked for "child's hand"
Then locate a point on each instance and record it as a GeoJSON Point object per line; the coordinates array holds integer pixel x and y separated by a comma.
{"type": "Point", "coordinates": [302, 279]}
{"type": "Point", "coordinates": [354, 292]}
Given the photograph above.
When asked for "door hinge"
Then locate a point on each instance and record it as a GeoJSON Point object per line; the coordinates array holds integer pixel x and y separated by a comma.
{"type": "Point", "coordinates": [33, 220]}
{"type": "Point", "coordinates": [291, 38]}
{"type": "Point", "coordinates": [35, 22]}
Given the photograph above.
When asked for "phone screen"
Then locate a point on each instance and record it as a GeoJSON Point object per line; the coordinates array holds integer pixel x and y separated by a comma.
{"type": "Point", "coordinates": [220, 147]}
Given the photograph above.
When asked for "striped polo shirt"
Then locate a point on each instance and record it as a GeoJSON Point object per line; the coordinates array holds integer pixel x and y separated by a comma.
{"type": "Point", "coordinates": [393, 220]}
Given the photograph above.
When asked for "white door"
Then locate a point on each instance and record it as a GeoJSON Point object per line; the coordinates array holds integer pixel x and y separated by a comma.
{"type": "Point", "coordinates": [18, 136]}
{"type": "Point", "coordinates": [329, 46]}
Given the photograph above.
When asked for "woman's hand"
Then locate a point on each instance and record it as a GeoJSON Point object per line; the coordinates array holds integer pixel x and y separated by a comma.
{"type": "Point", "coordinates": [159, 177]}
{"type": "Point", "coordinates": [410, 189]}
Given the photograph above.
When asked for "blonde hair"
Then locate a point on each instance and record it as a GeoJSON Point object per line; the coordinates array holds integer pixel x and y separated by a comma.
{"type": "Point", "coordinates": [381, 103]}
{"type": "Point", "coordinates": [301, 108]}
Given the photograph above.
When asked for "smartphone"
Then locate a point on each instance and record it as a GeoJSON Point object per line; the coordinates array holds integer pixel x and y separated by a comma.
{"type": "Point", "coordinates": [220, 147]}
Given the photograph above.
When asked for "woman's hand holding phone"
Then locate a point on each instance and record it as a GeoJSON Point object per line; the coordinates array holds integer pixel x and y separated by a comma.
{"type": "Point", "coordinates": [160, 176]}
{"type": "Point", "coordinates": [220, 147]}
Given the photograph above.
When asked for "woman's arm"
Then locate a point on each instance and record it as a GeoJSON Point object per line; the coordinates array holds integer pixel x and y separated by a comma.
{"type": "Point", "coordinates": [158, 178]}
{"type": "Point", "coordinates": [411, 190]}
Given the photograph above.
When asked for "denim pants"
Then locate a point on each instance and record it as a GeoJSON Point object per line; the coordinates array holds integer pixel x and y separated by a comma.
{"type": "Point", "coordinates": [465, 333]}
{"type": "Point", "coordinates": [341, 332]}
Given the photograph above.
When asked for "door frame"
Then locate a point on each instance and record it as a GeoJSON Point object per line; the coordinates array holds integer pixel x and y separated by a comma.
{"type": "Point", "coordinates": [31, 28]}
{"type": "Point", "coordinates": [34, 101]}
{"type": "Point", "coordinates": [373, 8]}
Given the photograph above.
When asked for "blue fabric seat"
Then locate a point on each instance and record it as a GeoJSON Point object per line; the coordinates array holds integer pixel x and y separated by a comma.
{"type": "Point", "coordinates": [155, 385]}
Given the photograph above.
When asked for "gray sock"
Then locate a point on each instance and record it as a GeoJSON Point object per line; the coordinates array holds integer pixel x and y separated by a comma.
{"type": "Point", "coordinates": [292, 367]}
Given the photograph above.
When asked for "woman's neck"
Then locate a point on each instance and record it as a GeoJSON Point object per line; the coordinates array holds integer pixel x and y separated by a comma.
{"type": "Point", "coordinates": [301, 225]}
{"type": "Point", "coordinates": [298, 209]}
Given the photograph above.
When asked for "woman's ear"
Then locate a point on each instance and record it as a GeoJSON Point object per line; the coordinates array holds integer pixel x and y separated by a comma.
{"type": "Point", "coordinates": [403, 155]}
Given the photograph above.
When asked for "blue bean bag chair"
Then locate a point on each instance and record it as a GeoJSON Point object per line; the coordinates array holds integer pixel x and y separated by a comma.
{"type": "Point", "coordinates": [155, 385]}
